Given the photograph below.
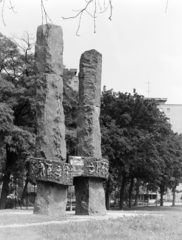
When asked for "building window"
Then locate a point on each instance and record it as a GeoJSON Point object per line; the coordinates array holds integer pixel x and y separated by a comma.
{"type": "Point", "coordinates": [168, 109]}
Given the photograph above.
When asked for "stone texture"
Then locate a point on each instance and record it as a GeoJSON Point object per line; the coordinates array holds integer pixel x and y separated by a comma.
{"type": "Point", "coordinates": [49, 49]}
{"type": "Point", "coordinates": [88, 127]}
{"type": "Point", "coordinates": [59, 172]}
{"type": "Point", "coordinates": [89, 167]}
{"type": "Point", "coordinates": [50, 140]}
{"type": "Point", "coordinates": [54, 204]}
{"type": "Point", "coordinates": [90, 196]}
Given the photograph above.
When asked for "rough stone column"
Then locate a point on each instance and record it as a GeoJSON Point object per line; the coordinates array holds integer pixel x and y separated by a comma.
{"type": "Point", "coordinates": [50, 141]}
{"type": "Point", "coordinates": [90, 196]}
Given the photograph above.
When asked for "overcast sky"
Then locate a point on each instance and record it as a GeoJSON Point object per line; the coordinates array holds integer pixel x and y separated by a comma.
{"type": "Point", "coordinates": [142, 43]}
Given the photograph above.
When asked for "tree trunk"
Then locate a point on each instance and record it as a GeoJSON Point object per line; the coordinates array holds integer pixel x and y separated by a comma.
{"type": "Point", "coordinates": [107, 199]}
{"type": "Point", "coordinates": [161, 195]}
{"type": "Point", "coordinates": [24, 193]}
{"type": "Point", "coordinates": [137, 192]}
{"type": "Point", "coordinates": [122, 192]}
{"type": "Point", "coordinates": [174, 196]}
{"type": "Point", "coordinates": [5, 191]}
{"type": "Point", "coordinates": [107, 193]}
{"type": "Point", "coordinates": [130, 192]}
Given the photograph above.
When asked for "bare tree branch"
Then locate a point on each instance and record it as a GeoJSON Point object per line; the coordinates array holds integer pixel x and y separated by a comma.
{"type": "Point", "coordinates": [44, 13]}
{"type": "Point", "coordinates": [99, 5]}
{"type": "Point", "coordinates": [95, 11]}
{"type": "Point", "coordinates": [167, 6]}
{"type": "Point", "coordinates": [3, 7]}
{"type": "Point", "coordinates": [111, 9]}
{"type": "Point", "coordinates": [79, 13]}
{"type": "Point", "coordinates": [2, 13]}
{"type": "Point", "coordinates": [105, 8]}
{"type": "Point", "coordinates": [79, 24]}
{"type": "Point", "coordinates": [11, 6]}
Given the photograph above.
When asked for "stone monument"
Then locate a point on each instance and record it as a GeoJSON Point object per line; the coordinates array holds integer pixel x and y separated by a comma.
{"type": "Point", "coordinates": [90, 195]}
{"type": "Point", "coordinates": [48, 165]}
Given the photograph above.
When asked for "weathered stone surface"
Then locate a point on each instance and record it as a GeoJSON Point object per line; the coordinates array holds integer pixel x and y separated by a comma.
{"type": "Point", "coordinates": [51, 199]}
{"type": "Point", "coordinates": [89, 167]}
{"type": "Point", "coordinates": [50, 171]}
{"type": "Point", "coordinates": [49, 49]}
{"type": "Point", "coordinates": [90, 197]}
{"type": "Point", "coordinates": [88, 127]}
{"type": "Point", "coordinates": [50, 140]}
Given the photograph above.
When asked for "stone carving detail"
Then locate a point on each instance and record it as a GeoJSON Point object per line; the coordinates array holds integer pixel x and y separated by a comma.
{"type": "Point", "coordinates": [51, 171]}
{"type": "Point", "coordinates": [89, 167]}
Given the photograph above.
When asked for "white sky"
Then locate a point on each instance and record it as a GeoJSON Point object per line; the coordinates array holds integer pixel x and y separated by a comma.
{"type": "Point", "coordinates": [141, 44]}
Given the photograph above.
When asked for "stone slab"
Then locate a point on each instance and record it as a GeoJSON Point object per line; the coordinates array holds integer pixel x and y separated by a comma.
{"type": "Point", "coordinates": [51, 171]}
{"type": "Point", "coordinates": [51, 199]}
{"type": "Point", "coordinates": [90, 196]}
{"type": "Point", "coordinates": [49, 49]}
{"type": "Point", "coordinates": [89, 167]}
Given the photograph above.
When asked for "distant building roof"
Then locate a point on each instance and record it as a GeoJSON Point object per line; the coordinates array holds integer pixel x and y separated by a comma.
{"type": "Point", "coordinates": [160, 100]}
{"type": "Point", "coordinates": [71, 70]}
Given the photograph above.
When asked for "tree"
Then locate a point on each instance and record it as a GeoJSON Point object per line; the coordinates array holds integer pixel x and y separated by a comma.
{"type": "Point", "coordinates": [70, 105]}
{"type": "Point", "coordinates": [131, 128]}
{"type": "Point", "coordinates": [16, 57]}
{"type": "Point", "coordinates": [171, 170]}
{"type": "Point", "coordinates": [17, 105]}
{"type": "Point", "coordinates": [18, 136]}
{"type": "Point", "coordinates": [8, 55]}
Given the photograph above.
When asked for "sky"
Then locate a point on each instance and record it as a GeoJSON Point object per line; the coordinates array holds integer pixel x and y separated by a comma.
{"type": "Point", "coordinates": [141, 46]}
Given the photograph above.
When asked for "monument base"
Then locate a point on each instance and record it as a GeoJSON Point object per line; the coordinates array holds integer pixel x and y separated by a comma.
{"type": "Point", "coordinates": [90, 196]}
{"type": "Point", "coordinates": [51, 199]}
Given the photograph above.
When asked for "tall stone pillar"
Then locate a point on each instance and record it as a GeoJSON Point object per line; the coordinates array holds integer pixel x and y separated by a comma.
{"type": "Point", "coordinates": [50, 141]}
{"type": "Point", "coordinates": [90, 196]}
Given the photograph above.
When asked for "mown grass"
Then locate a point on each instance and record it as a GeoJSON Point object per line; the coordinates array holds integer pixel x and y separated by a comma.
{"type": "Point", "coordinates": [25, 218]}
{"type": "Point", "coordinates": [130, 228]}
{"type": "Point", "coordinates": [165, 225]}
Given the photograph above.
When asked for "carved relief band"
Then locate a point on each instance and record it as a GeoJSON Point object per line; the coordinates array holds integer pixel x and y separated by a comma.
{"type": "Point", "coordinates": [50, 171]}
{"type": "Point", "coordinates": [89, 167]}
{"type": "Point", "coordinates": [63, 173]}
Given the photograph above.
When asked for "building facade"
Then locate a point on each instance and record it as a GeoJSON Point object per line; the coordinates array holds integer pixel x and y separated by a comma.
{"type": "Point", "coordinates": [72, 77]}
{"type": "Point", "coordinates": [173, 112]}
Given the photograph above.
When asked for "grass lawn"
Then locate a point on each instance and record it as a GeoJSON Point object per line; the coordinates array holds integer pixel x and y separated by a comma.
{"type": "Point", "coordinates": [165, 224]}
